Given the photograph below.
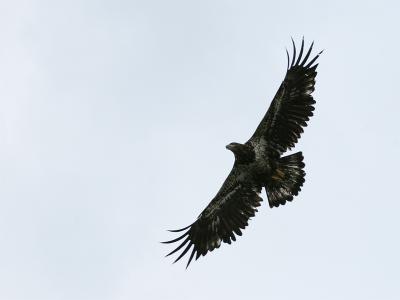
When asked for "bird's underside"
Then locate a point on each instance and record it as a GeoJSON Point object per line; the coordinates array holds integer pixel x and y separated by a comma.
{"type": "Point", "coordinates": [259, 163]}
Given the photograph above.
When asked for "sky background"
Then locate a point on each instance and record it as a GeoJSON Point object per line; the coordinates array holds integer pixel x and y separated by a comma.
{"type": "Point", "coordinates": [114, 116]}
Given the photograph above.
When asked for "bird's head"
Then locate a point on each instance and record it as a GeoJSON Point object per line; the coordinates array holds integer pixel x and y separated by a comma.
{"type": "Point", "coordinates": [243, 153]}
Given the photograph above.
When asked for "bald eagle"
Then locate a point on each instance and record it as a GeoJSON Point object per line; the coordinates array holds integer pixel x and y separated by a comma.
{"type": "Point", "coordinates": [259, 163]}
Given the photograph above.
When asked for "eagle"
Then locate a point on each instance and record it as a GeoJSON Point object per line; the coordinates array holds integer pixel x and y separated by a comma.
{"type": "Point", "coordinates": [259, 163]}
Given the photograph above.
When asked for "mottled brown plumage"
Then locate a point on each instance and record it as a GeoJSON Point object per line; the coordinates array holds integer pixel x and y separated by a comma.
{"type": "Point", "coordinates": [259, 163]}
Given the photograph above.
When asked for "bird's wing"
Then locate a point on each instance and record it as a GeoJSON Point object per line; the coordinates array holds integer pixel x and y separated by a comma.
{"type": "Point", "coordinates": [291, 107]}
{"type": "Point", "coordinates": [224, 217]}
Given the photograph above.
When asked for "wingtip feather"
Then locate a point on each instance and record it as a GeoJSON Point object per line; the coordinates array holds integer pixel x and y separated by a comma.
{"type": "Point", "coordinates": [179, 230]}
{"type": "Point", "coordinates": [184, 252]}
{"type": "Point", "coordinates": [301, 52]}
{"type": "Point", "coordinates": [288, 60]}
{"type": "Point", "coordinates": [294, 53]}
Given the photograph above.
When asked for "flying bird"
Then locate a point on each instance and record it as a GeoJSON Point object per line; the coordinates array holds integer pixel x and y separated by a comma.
{"type": "Point", "coordinates": [259, 163]}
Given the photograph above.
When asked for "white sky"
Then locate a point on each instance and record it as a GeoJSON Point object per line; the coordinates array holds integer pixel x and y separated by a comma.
{"type": "Point", "coordinates": [113, 126]}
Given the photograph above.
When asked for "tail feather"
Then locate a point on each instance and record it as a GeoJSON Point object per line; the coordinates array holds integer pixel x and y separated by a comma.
{"type": "Point", "coordinates": [287, 180]}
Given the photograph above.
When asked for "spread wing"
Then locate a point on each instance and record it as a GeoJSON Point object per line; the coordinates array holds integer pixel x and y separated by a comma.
{"type": "Point", "coordinates": [291, 107]}
{"type": "Point", "coordinates": [221, 220]}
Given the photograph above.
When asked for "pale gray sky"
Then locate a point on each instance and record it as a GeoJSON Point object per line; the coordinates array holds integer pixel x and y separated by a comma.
{"type": "Point", "coordinates": [114, 121]}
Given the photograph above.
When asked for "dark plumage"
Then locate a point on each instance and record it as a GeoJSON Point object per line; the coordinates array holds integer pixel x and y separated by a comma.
{"type": "Point", "coordinates": [259, 163]}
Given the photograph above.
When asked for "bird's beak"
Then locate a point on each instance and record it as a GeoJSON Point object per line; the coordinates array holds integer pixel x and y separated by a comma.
{"type": "Point", "coordinates": [229, 147]}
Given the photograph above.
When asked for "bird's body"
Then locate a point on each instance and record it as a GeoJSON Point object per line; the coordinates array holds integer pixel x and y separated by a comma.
{"type": "Point", "coordinates": [252, 166]}
{"type": "Point", "coordinates": [259, 163]}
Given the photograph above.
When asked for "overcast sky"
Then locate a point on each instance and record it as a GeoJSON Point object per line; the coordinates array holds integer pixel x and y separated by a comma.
{"type": "Point", "coordinates": [114, 116]}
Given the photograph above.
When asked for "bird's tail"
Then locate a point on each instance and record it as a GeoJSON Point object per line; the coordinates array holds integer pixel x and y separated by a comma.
{"type": "Point", "coordinates": [287, 180]}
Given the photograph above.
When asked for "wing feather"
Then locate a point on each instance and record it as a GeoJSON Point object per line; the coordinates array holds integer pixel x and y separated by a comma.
{"type": "Point", "coordinates": [292, 106]}
{"type": "Point", "coordinates": [221, 221]}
